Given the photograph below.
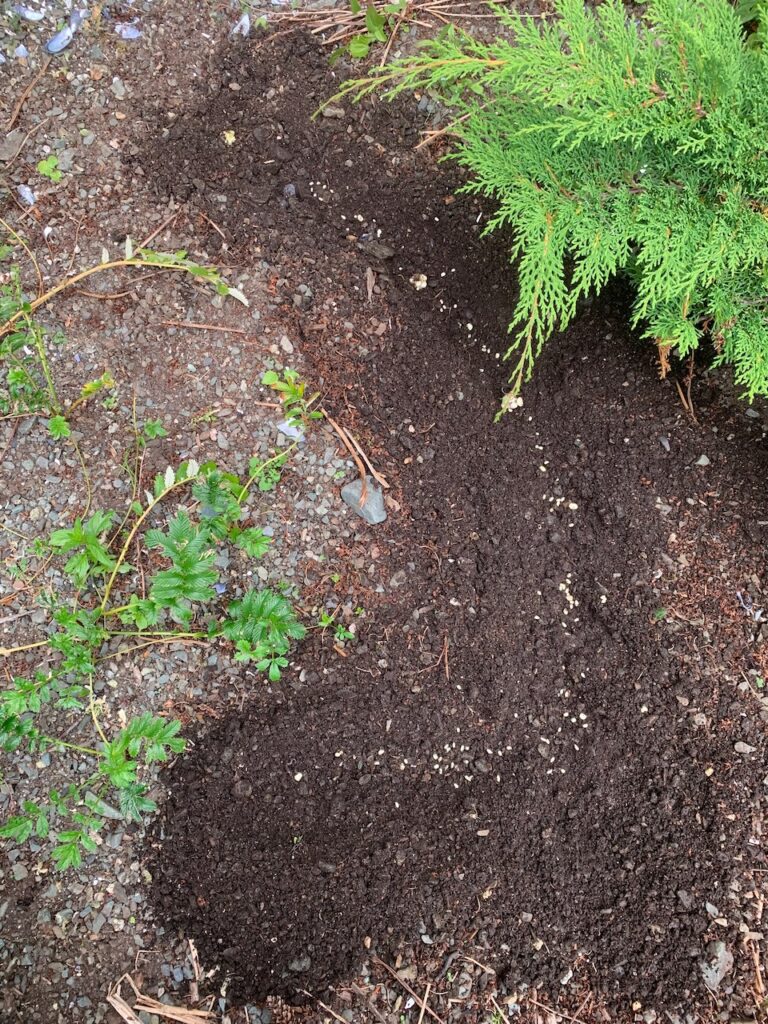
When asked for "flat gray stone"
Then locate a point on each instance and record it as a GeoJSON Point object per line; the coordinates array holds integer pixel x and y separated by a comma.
{"type": "Point", "coordinates": [373, 510]}
{"type": "Point", "coordinates": [290, 430]}
{"type": "Point", "coordinates": [11, 145]}
{"type": "Point", "coordinates": [718, 964]}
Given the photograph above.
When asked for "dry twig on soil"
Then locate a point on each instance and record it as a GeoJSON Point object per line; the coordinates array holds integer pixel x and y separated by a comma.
{"type": "Point", "coordinates": [336, 26]}
{"type": "Point", "coordinates": [419, 1002]}
{"type": "Point", "coordinates": [203, 327]}
{"type": "Point", "coordinates": [559, 1013]}
{"type": "Point", "coordinates": [181, 1014]}
{"type": "Point", "coordinates": [25, 95]}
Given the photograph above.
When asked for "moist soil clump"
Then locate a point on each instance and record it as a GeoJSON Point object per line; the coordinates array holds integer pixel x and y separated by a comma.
{"type": "Point", "coordinates": [525, 751]}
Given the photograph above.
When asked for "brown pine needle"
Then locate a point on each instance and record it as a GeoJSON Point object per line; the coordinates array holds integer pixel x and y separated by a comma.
{"type": "Point", "coordinates": [408, 989]}
{"type": "Point", "coordinates": [323, 1006]}
{"type": "Point", "coordinates": [558, 1013]}
{"type": "Point", "coordinates": [367, 461]}
{"type": "Point", "coordinates": [203, 327]}
{"type": "Point", "coordinates": [157, 231]}
{"type": "Point", "coordinates": [25, 95]}
{"type": "Point", "coordinates": [214, 225]}
{"type": "Point", "coordinates": [348, 445]}
{"type": "Point", "coordinates": [424, 1004]}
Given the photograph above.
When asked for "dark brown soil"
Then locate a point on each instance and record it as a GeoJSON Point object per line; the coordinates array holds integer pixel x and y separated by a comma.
{"type": "Point", "coordinates": [524, 750]}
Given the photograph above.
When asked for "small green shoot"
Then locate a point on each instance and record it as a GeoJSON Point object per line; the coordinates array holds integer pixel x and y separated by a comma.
{"type": "Point", "coordinates": [58, 427]}
{"type": "Point", "coordinates": [49, 168]}
{"type": "Point", "coordinates": [327, 620]}
{"type": "Point", "coordinates": [153, 429]}
{"type": "Point", "coordinates": [378, 23]}
{"type": "Point", "coordinates": [292, 390]}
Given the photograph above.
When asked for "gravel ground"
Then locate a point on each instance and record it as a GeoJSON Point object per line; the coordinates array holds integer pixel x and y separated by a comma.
{"type": "Point", "coordinates": [91, 925]}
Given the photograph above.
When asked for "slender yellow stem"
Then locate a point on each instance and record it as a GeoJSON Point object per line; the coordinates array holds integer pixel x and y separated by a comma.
{"type": "Point", "coordinates": [6, 652]}
{"type": "Point", "coordinates": [28, 251]}
{"type": "Point", "coordinates": [86, 476]}
{"type": "Point", "coordinates": [134, 261]}
{"type": "Point", "coordinates": [129, 539]}
{"type": "Point", "coordinates": [135, 482]}
{"type": "Point", "coordinates": [70, 746]}
{"type": "Point", "coordinates": [94, 714]}
{"type": "Point", "coordinates": [42, 357]}
{"type": "Point", "coordinates": [17, 533]}
{"type": "Point", "coordinates": [163, 635]}
{"type": "Point", "coordinates": [152, 643]}
{"type": "Point", "coordinates": [115, 611]}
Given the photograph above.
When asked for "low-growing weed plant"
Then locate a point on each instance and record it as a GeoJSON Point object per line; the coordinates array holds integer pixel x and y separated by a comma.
{"type": "Point", "coordinates": [378, 24]}
{"type": "Point", "coordinates": [615, 143]}
{"type": "Point", "coordinates": [183, 600]}
{"type": "Point", "coordinates": [176, 528]}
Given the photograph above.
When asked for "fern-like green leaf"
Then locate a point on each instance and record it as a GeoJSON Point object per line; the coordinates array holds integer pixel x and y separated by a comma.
{"type": "Point", "coordinates": [192, 573]}
{"type": "Point", "coordinates": [262, 623]}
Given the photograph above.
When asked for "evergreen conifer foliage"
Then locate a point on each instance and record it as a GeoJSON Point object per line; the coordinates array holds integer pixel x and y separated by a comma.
{"type": "Point", "coordinates": [615, 143]}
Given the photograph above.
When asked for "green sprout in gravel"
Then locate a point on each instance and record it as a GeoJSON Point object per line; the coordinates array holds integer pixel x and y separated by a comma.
{"type": "Point", "coordinates": [49, 168]}
{"type": "Point", "coordinates": [183, 600]}
{"type": "Point", "coordinates": [291, 389]}
{"type": "Point", "coordinates": [327, 620]}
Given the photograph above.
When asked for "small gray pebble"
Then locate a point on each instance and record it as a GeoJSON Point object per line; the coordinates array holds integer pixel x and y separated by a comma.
{"type": "Point", "coordinates": [743, 748]}
{"type": "Point", "coordinates": [300, 965]}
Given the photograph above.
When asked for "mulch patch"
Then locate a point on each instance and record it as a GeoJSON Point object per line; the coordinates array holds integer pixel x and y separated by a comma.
{"type": "Point", "coordinates": [512, 754]}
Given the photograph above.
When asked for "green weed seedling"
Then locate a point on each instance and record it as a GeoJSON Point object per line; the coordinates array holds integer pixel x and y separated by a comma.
{"type": "Point", "coordinates": [49, 168]}
{"type": "Point", "coordinates": [379, 23]}
{"type": "Point", "coordinates": [292, 391]}
{"type": "Point", "coordinates": [327, 620]}
{"type": "Point", "coordinates": [341, 634]}
{"type": "Point", "coordinates": [183, 601]}
{"type": "Point", "coordinates": [153, 429]}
